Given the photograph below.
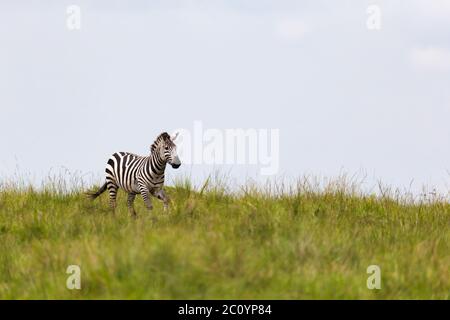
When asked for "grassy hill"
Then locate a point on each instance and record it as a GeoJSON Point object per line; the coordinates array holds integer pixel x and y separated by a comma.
{"type": "Point", "coordinates": [250, 244]}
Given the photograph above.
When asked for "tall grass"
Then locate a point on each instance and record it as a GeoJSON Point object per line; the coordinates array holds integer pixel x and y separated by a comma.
{"type": "Point", "coordinates": [305, 240]}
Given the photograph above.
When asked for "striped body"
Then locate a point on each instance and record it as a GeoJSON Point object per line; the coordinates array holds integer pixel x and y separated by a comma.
{"type": "Point", "coordinates": [127, 170]}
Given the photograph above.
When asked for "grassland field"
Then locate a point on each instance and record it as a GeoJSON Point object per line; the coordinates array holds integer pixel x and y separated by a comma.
{"type": "Point", "coordinates": [254, 243]}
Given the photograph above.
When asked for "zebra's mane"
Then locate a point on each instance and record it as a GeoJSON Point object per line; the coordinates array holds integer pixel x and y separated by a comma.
{"type": "Point", "coordinates": [162, 137]}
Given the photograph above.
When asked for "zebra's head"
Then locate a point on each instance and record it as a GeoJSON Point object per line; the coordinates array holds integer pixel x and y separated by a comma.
{"type": "Point", "coordinates": [167, 149]}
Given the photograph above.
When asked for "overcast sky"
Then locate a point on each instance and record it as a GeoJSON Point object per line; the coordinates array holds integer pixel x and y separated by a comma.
{"type": "Point", "coordinates": [345, 98]}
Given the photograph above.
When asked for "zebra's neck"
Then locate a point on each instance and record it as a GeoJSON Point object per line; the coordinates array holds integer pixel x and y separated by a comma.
{"type": "Point", "coordinates": [156, 167]}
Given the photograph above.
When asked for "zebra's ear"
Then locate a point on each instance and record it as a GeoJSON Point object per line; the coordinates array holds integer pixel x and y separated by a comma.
{"type": "Point", "coordinates": [174, 136]}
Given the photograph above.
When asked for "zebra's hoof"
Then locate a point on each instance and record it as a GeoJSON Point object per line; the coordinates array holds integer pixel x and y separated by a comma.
{"type": "Point", "coordinates": [133, 213]}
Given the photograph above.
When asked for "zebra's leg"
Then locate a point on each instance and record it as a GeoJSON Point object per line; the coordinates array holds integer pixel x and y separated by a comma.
{"type": "Point", "coordinates": [112, 188]}
{"type": "Point", "coordinates": [130, 201]}
{"type": "Point", "coordinates": [145, 193]}
{"type": "Point", "coordinates": [161, 195]}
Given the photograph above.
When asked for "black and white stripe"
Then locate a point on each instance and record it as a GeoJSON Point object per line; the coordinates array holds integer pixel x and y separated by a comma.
{"type": "Point", "coordinates": [140, 175]}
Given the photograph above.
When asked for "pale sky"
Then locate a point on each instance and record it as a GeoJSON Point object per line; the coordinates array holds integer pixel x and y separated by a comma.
{"type": "Point", "coordinates": [345, 98]}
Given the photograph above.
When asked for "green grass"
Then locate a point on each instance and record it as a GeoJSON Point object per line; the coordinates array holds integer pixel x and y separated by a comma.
{"type": "Point", "coordinates": [213, 244]}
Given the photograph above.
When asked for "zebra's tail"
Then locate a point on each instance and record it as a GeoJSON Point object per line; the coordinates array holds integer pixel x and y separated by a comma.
{"type": "Point", "coordinates": [92, 194]}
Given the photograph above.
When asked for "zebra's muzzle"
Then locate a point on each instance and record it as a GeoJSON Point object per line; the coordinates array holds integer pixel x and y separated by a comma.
{"type": "Point", "coordinates": [176, 165]}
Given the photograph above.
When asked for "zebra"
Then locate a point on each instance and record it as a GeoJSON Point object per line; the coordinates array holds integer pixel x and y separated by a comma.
{"type": "Point", "coordinates": [140, 175]}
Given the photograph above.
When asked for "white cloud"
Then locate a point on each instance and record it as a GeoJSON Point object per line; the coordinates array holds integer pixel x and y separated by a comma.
{"type": "Point", "coordinates": [431, 58]}
{"type": "Point", "coordinates": [292, 29]}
